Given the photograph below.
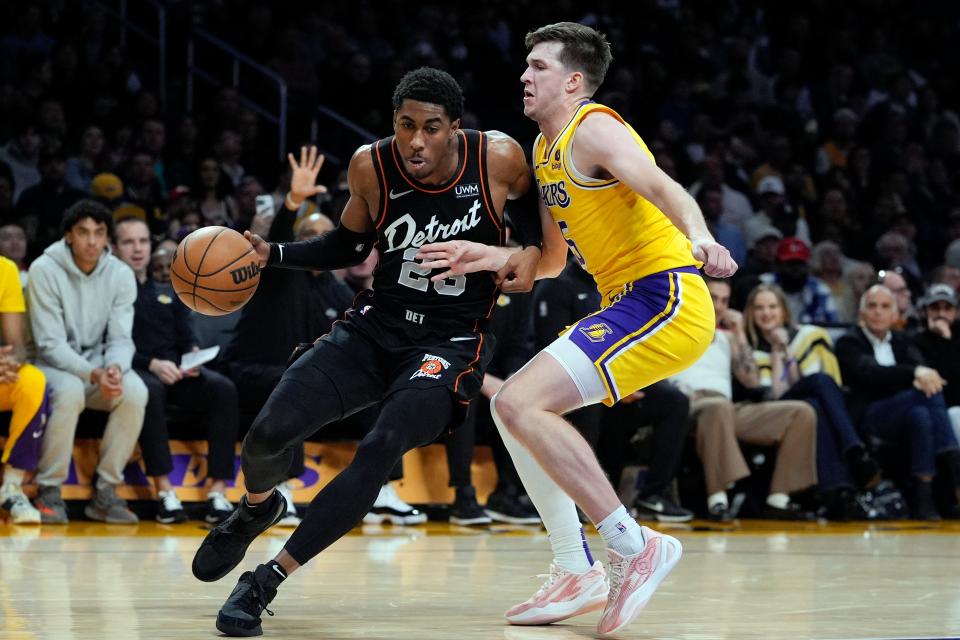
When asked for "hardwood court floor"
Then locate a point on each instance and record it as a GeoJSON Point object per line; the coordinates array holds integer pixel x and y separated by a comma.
{"type": "Point", "coordinates": [762, 580]}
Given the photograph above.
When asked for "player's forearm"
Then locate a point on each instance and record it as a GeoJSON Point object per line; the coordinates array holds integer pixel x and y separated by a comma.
{"type": "Point", "coordinates": [683, 211]}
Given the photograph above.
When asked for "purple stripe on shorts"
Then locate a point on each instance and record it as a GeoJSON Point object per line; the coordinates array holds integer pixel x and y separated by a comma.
{"type": "Point", "coordinates": [25, 453]}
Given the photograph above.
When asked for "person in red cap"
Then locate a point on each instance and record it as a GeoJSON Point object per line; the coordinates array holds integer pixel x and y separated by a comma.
{"type": "Point", "coordinates": [808, 297]}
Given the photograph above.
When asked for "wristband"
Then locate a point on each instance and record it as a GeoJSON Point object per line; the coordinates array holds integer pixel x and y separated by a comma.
{"type": "Point", "coordinates": [290, 204]}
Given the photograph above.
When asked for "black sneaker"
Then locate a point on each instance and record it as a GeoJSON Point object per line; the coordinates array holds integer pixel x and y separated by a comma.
{"type": "Point", "coordinates": [720, 512]}
{"type": "Point", "coordinates": [225, 545]}
{"type": "Point", "coordinates": [793, 511]}
{"type": "Point", "coordinates": [240, 614]}
{"type": "Point", "coordinates": [656, 507]}
{"type": "Point", "coordinates": [169, 508]}
{"type": "Point", "coordinates": [465, 510]}
{"type": "Point", "coordinates": [865, 470]}
{"type": "Point", "coordinates": [922, 506]}
{"type": "Point", "coordinates": [509, 507]}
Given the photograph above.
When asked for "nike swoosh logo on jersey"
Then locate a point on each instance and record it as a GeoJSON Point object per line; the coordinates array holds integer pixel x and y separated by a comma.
{"type": "Point", "coordinates": [462, 338]}
{"type": "Point", "coordinates": [394, 196]}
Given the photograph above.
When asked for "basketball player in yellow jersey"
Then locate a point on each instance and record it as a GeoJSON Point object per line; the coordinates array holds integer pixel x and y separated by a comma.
{"type": "Point", "coordinates": [642, 237]}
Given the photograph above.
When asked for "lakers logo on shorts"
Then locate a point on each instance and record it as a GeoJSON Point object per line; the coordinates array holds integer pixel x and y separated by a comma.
{"type": "Point", "coordinates": [430, 367]}
{"type": "Point", "coordinates": [596, 332]}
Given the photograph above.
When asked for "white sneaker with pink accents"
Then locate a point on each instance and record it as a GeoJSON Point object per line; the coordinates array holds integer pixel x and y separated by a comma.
{"type": "Point", "coordinates": [563, 595]}
{"type": "Point", "coordinates": [633, 579]}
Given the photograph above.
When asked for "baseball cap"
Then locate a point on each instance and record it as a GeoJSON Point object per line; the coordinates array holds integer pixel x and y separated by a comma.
{"type": "Point", "coordinates": [793, 248]}
{"type": "Point", "coordinates": [107, 186]}
{"type": "Point", "coordinates": [760, 230]}
{"type": "Point", "coordinates": [939, 292]}
{"type": "Point", "coordinates": [771, 184]}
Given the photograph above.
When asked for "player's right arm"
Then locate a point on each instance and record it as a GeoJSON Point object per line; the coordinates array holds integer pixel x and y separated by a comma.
{"type": "Point", "coordinates": [350, 242]}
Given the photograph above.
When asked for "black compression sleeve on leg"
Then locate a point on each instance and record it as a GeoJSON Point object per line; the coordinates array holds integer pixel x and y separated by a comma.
{"type": "Point", "coordinates": [525, 215]}
{"type": "Point", "coordinates": [335, 249]}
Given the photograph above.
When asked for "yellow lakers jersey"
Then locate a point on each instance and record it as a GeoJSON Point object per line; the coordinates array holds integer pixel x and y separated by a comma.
{"type": "Point", "coordinates": [617, 235]}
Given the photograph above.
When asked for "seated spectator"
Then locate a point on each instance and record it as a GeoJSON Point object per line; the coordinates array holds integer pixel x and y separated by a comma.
{"type": "Point", "coordinates": [89, 162]}
{"type": "Point", "coordinates": [796, 362]}
{"type": "Point", "coordinates": [859, 277]}
{"type": "Point", "coordinates": [558, 303]}
{"type": "Point", "coordinates": [939, 343]}
{"type": "Point", "coordinates": [13, 245]}
{"type": "Point", "coordinates": [945, 274]}
{"type": "Point", "coordinates": [41, 206]}
{"type": "Point", "coordinates": [775, 210]}
{"type": "Point", "coordinates": [720, 424]}
{"type": "Point", "coordinates": [710, 200]}
{"type": "Point", "coordinates": [23, 390]}
{"type": "Point", "coordinates": [160, 261]}
{"type": "Point", "coordinates": [81, 315]}
{"type": "Point", "coordinates": [826, 264]}
{"type": "Point", "coordinates": [907, 317]}
{"type": "Point", "coordinates": [107, 189]}
{"type": "Point", "coordinates": [213, 191]}
{"type": "Point", "coordinates": [144, 189]}
{"type": "Point", "coordinates": [899, 398]}
{"type": "Point", "coordinates": [161, 334]}
{"type": "Point", "coordinates": [21, 155]}
{"type": "Point", "coordinates": [808, 298]}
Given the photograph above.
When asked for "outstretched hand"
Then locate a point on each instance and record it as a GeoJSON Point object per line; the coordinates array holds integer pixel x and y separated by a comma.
{"type": "Point", "coordinates": [303, 180]}
{"type": "Point", "coordinates": [716, 259]}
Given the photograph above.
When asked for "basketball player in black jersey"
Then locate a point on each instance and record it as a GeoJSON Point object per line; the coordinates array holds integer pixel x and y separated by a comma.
{"type": "Point", "coordinates": [417, 347]}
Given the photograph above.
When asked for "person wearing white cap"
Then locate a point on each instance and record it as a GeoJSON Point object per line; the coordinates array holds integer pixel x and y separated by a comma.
{"type": "Point", "coordinates": [776, 211]}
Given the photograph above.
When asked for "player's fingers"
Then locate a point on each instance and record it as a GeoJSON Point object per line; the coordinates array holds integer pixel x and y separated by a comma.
{"type": "Point", "coordinates": [318, 188]}
{"type": "Point", "coordinates": [432, 255]}
{"type": "Point", "coordinates": [318, 163]}
{"type": "Point", "coordinates": [303, 156]}
{"type": "Point", "coordinates": [292, 161]}
{"type": "Point", "coordinates": [435, 264]}
{"type": "Point", "coordinates": [311, 156]}
{"type": "Point", "coordinates": [443, 276]}
{"type": "Point", "coordinates": [437, 246]}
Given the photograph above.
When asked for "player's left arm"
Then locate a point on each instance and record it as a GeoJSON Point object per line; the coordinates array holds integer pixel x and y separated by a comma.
{"type": "Point", "coordinates": [603, 145]}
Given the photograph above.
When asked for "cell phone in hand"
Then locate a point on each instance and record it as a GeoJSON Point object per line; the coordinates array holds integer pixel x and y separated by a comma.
{"type": "Point", "coordinates": [265, 205]}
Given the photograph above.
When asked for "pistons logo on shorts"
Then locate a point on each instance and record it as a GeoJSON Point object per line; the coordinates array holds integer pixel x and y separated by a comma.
{"type": "Point", "coordinates": [596, 332]}
{"type": "Point", "coordinates": [431, 367]}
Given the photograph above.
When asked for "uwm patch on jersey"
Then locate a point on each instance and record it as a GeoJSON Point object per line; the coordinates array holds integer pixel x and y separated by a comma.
{"type": "Point", "coordinates": [412, 214]}
{"type": "Point", "coordinates": [431, 367]}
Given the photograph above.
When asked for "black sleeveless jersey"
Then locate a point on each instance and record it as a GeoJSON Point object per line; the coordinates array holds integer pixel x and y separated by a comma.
{"type": "Point", "coordinates": [412, 214]}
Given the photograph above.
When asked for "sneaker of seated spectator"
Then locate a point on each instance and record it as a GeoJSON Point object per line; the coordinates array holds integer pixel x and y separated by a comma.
{"type": "Point", "coordinates": [660, 508]}
{"type": "Point", "coordinates": [509, 504]}
{"type": "Point", "coordinates": [465, 509]}
{"type": "Point", "coordinates": [290, 518]}
{"type": "Point", "coordinates": [388, 507]}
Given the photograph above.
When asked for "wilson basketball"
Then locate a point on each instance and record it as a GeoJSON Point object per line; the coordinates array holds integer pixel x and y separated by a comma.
{"type": "Point", "coordinates": [215, 271]}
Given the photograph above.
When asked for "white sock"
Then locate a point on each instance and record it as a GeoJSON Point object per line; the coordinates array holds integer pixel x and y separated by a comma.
{"type": "Point", "coordinates": [720, 497]}
{"type": "Point", "coordinates": [556, 508]}
{"type": "Point", "coordinates": [13, 477]}
{"type": "Point", "coordinates": [621, 532]}
{"type": "Point", "coordinates": [778, 500]}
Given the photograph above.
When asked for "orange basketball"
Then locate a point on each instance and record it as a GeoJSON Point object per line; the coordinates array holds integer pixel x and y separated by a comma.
{"type": "Point", "coordinates": [215, 271]}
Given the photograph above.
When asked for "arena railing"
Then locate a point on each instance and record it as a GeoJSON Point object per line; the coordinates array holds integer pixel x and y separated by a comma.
{"type": "Point", "coordinates": [339, 141]}
{"type": "Point", "coordinates": [236, 62]}
{"type": "Point", "coordinates": [153, 35]}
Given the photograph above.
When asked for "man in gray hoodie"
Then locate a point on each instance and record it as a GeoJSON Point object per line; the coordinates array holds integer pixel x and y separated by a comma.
{"type": "Point", "coordinates": [81, 313]}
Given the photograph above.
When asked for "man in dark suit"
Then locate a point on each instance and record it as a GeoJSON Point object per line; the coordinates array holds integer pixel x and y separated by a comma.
{"type": "Point", "coordinates": [899, 398]}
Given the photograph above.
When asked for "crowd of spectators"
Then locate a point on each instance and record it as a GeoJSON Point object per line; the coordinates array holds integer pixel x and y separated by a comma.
{"type": "Point", "coordinates": [821, 140]}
